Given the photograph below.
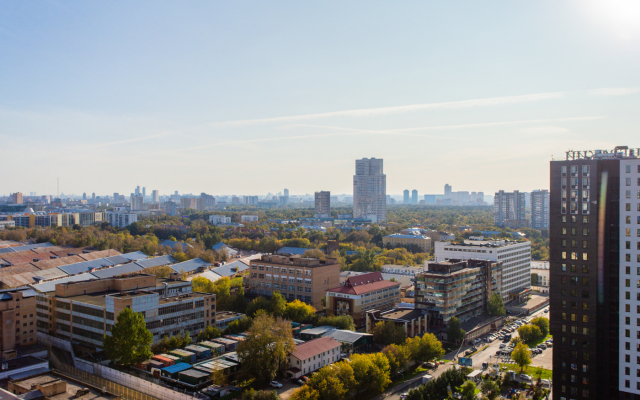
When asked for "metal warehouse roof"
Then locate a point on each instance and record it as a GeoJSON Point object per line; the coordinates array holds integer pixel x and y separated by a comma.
{"type": "Point", "coordinates": [135, 256]}
{"type": "Point", "coordinates": [190, 266]}
{"type": "Point", "coordinates": [156, 261]}
{"type": "Point", "coordinates": [85, 266]}
{"type": "Point", "coordinates": [25, 247]}
{"type": "Point", "coordinates": [293, 250]}
{"type": "Point", "coordinates": [118, 270]}
{"type": "Point", "coordinates": [231, 269]}
{"type": "Point", "coordinates": [172, 369]}
{"type": "Point", "coordinates": [50, 286]}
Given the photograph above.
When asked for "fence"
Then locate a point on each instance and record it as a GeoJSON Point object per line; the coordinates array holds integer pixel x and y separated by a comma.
{"type": "Point", "coordinates": [112, 380]}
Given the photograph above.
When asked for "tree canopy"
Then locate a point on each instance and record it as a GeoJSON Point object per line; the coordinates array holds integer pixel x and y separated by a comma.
{"type": "Point", "coordinates": [454, 332]}
{"type": "Point", "coordinates": [496, 305]}
{"type": "Point", "coordinates": [130, 340]}
{"type": "Point", "coordinates": [521, 355]}
{"type": "Point", "coordinates": [387, 332]}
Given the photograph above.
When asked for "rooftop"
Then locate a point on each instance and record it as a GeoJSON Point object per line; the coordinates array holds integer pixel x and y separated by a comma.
{"type": "Point", "coordinates": [359, 284]}
{"type": "Point", "coordinates": [401, 314]}
{"type": "Point", "coordinates": [315, 347]}
{"type": "Point", "coordinates": [485, 243]}
{"type": "Point", "coordinates": [401, 236]}
{"type": "Point", "coordinates": [72, 387]}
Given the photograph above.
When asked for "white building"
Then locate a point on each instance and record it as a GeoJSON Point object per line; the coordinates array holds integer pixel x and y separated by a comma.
{"type": "Point", "coordinates": [248, 218]}
{"type": "Point", "coordinates": [219, 219]}
{"type": "Point", "coordinates": [515, 258]}
{"type": "Point", "coordinates": [541, 268]}
{"type": "Point", "coordinates": [7, 224]}
{"type": "Point", "coordinates": [370, 190]}
{"type": "Point", "coordinates": [629, 293]}
{"type": "Point", "coordinates": [312, 355]}
{"type": "Point", "coordinates": [121, 219]}
{"type": "Point", "coordinates": [402, 269]}
{"type": "Point", "coordinates": [540, 209]}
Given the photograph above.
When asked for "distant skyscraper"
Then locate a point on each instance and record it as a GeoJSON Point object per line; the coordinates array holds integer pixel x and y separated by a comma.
{"type": "Point", "coordinates": [116, 197]}
{"type": "Point", "coordinates": [93, 196]}
{"type": "Point", "coordinates": [137, 190]}
{"type": "Point", "coordinates": [414, 197]}
{"type": "Point", "coordinates": [540, 209]}
{"type": "Point", "coordinates": [136, 202]}
{"type": "Point", "coordinates": [144, 192]}
{"type": "Point", "coordinates": [323, 204]}
{"type": "Point", "coordinates": [286, 193]}
{"type": "Point", "coordinates": [508, 206]}
{"type": "Point", "coordinates": [407, 200]}
{"type": "Point", "coordinates": [16, 198]}
{"type": "Point", "coordinates": [155, 197]}
{"type": "Point", "coordinates": [447, 190]}
{"type": "Point", "coordinates": [370, 190]}
{"type": "Point", "coordinates": [84, 196]}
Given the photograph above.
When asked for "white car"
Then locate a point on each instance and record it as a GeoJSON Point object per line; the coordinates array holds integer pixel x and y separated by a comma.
{"type": "Point", "coordinates": [525, 377]}
{"type": "Point", "coordinates": [276, 384]}
{"type": "Point", "coordinates": [404, 395]}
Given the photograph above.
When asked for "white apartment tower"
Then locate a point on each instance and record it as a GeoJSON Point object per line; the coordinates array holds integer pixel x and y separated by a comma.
{"type": "Point", "coordinates": [515, 258]}
{"type": "Point", "coordinates": [540, 209]}
{"type": "Point", "coordinates": [323, 204]}
{"type": "Point", "coordinates": [508, 206]}
{"type": "Point", "coordinates": [155, 197]}
{"type": "Point", "coordinates": [370, 190]}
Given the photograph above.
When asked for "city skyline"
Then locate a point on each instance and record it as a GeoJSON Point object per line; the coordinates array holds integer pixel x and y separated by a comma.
{"type": "Point", "coordinates": [120, 95]}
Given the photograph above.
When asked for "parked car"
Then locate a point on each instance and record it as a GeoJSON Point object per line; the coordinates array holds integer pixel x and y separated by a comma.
{"type": "Point", "coordinates": [304, 378]}
{"type": "Point", "coordinates": [404, 395]}
{"type": "Point", "coordinates": [545, 382]}
{"type": "Point", "coordinates": [525, 377]}
{"type": "Point", "coordinates": [503, 345]}
{"type": "Point", "coordinates": [300, 382]}
{"type": "Point", "coordinates": [276, 384]}
{"type": "Point", "coordinates": [546, 310]}
{"type": "Point", "coordinates": [430, 365]}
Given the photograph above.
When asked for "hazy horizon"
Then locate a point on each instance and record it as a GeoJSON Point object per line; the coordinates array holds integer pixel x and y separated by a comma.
{"type": "Point", "coordinates": [250, 98]}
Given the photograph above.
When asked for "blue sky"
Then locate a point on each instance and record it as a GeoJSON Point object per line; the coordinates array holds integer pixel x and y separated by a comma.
{"type": "Point", "coordinates": [253, 97]}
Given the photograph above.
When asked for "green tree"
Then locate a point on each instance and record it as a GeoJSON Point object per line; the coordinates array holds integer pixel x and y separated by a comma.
{"type": "Point", "coordinates": [542, 323]}
{"type": "Point", "coordinates": [425, 348]}
{"type": "Point", "coordinates": [252, 394]}
{"type": "Point", "coordinates": [371, 372]}
{"type": "Point", "coordinates": [341, 322]}
{"type": "Point", "coordinates": [259, 303]}
{"type": "Point", "coordinates": [264, 351]}
{"type": "Point", "coordinates": [454, 332]}
{"type": "Point", "coordinates": [490, 389]}
{"type": "Point", "coordinates": [521, 355]}
{"type": "Point", "coordinates": [534, 279]}
{"type": "Point", "coordinates": [398, 356]}
{"type": "Point", "coordinates": [530, 333]}
{"type": "Point", "coordinates": [332, 381]}
{"type": "Point", "coordinates": [238, 326]}
{"type": "Point", "coordinates": [496, 305]}
{"type": "Point", "coordinates": [299, 311]}
{"type": "Point", "coordinates": [468, 390]}
{"type": "Point", "coordinates": [130, 340]}
{"type": "Point", "coordinates": [306, 392]}
{"type": "Point", "coordinates": [277, 304]}
{"type": "Point", "coordinates": [387, 332]}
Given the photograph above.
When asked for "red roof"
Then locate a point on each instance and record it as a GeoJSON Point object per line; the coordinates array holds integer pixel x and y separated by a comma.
{"type": "Point", "coordinates": [315, 347]}
{"type": "Point", "coordinates": [364, 283]}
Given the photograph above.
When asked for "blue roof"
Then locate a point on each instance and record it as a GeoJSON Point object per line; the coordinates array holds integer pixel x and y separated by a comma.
{"type": "Point", "coordinates": [228, 269]}
{"type": "Point", "coordinates": [190, 266]}
{"type": "Point", "coordinates": [135, 256]}
{"type": "Point", "coordinates": [352, 252]}
{"type": "Point", "coordinates": [172, 243]}
{"type": "Point", "coordinates": [172, 369]}
{"type": "Point", "coordinates": [115, 271]}
{"type": "Point", "coordinates": [85, 266]}
{"type": "Point", "coordinates": [218, 246]}
{"type": "Point", "coordinates": [156, 261]}
{"type": "Point", "coordinates": [24, 247]}
{"type": "Point", "coordinates": [292, 250]}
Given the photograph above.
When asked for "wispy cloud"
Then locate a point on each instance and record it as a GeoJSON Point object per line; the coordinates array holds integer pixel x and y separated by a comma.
{"type": "Point", "coordinates": [371, 112]}
{"type": "Point", "coordinates": [612, 91]}
{"type": "Point", "coordinates": [413, 132]}
{"type": "Point", "coordinates": [132, 140]}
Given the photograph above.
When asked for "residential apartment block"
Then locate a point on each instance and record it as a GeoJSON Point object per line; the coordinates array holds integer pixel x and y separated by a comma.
{"type": "Point", "coordinates": [121, 219]}
{"type": "Point", "coordinates": [361, 293]}
{"type": "Point", "coordinates": [249, 218]}
{"type": "Point", "coordinates": [540, 209]}
{"type": "Point", "coordinates": [595, 273]}
{"type": "Point", "coordinates": [398, 239]}
{"type": "Point", "coordinates": [514, 257]}
{"type": "Point", "coordinates": [84, 311]}
{"type": "Point", "coordinates": [63, 217]}
{"type": "Point", "coordinates": [17, 319]}
{"type": "Point", "coordinates": [295, 277]}
{"type": "Point", "coordinates": [370, 190]}
{"type": "Point", "coordinates": [508, 206]}
{"type": "Point", "coordinates": [219, 219]}
{"type": "Point", "coordinates": [457, 288]}
{"type": "Point", "coordinates": [322, 204]}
